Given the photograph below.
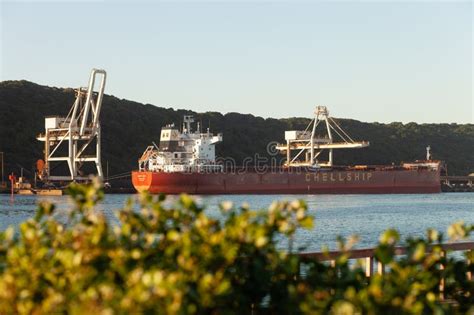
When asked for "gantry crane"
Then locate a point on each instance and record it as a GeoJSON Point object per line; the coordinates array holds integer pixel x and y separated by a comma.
{"type": "Point", "coordinates": [70, 139]}
{"type": "Point", "coordinates": [310, 145]}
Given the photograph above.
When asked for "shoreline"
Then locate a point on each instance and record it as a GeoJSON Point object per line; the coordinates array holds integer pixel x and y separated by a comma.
{"type": "Point", "coordinates": [127, 190]}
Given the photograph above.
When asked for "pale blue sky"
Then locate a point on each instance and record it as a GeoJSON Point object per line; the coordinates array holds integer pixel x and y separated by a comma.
{"type": "Point", "coordinates": [371, 61]}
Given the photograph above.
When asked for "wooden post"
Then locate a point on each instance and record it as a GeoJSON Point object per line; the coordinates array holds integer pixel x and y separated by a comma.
{"type": "Point", "coordinates": [469, 261]}
{"type": "Point", "coordinates": [298, 272]}
{"type": "Point", "coordinates": [333, 265]}
{"type": "Point", "coordinates": [441, 281]}
{"type": "Point", "coordinates": [369, 266]}
{"type": "Point", "coordinates": [380, 268]}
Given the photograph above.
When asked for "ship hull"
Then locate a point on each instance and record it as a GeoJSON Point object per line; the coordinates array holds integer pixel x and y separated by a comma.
{"type": "Point", "coordinates": [285, 182]}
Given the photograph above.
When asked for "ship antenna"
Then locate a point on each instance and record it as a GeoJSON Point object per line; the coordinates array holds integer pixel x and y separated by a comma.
{"type": "Point", "coordinates": [155, 145]}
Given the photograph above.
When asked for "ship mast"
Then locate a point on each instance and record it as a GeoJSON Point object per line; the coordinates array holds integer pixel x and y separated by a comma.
{"type": "Point", "coordinates": [309, 145]}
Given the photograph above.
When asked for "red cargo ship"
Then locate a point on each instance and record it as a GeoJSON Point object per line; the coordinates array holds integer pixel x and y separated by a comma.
{"type": "Point", "coordinates": [185, 163]}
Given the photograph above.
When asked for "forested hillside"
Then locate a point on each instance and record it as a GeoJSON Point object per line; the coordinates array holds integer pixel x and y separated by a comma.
{"type": "Point", "coordinates": [128, 127]}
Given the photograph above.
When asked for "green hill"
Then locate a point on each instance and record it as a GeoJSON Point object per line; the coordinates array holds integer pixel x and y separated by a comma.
{"type": "Point", "coordinates": [128, 127]}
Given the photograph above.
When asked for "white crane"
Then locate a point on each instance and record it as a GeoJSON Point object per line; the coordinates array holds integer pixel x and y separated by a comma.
{"type": "Point", "coordinates": [312, 145]}
{"type": "Point", "coordinates": [71, 139]}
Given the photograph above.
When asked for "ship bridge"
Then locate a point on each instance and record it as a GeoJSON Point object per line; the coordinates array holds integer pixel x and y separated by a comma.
{"type": "Point", "coordinates": [185, 151]}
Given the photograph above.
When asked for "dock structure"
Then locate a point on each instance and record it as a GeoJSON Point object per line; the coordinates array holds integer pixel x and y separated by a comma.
{"type": "Point", "coordinates": [457, 183]}
{"type": "Point", "coordinates": [309, 145]}
{"type": "Point", "coordinates": [71, 139]}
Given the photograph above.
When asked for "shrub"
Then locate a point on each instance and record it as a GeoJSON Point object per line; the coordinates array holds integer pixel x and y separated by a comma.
{"type": "Point", "coordinates": [162, 259]}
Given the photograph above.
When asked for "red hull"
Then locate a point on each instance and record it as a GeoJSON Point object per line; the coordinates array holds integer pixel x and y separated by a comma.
{"type": "Point", "coordinates": [321, 182]}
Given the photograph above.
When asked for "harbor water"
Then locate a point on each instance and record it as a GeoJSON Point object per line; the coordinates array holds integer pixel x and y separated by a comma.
{"type": "Point", "coordinates": [335, 215]}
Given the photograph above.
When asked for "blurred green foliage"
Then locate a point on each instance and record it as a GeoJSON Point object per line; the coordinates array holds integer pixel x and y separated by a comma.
{"type": "Point", "coordinates": [164, 258]}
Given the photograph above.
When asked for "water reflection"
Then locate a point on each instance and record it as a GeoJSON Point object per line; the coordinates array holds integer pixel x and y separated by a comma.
{"type": "Point", "coordinates": [364, 215]}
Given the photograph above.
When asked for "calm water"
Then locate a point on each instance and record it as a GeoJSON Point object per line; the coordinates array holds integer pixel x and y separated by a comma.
{"type": "Point", "coordinates": [345, 215]}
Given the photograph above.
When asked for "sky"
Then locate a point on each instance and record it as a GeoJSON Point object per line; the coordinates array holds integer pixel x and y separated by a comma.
{"type": "Point", "coordinates": [380, 61]}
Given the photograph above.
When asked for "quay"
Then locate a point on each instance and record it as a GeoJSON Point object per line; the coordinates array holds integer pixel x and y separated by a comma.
{"type": "Point", "coordinates": [457, 183]}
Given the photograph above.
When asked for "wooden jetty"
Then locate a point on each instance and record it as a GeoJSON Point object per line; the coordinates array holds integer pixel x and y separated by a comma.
{"type": "Point", "coordinates": [372, 266]}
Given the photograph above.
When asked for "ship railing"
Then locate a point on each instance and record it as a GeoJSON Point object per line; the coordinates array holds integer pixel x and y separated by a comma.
{"type": "Point", "coordinates": [304, 168]}
{"type": "Point", "coordinates": [372, 266]}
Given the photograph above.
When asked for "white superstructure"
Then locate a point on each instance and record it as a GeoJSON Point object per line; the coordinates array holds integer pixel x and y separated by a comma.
{"type": "Point", "coordinates": [186, 151]}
